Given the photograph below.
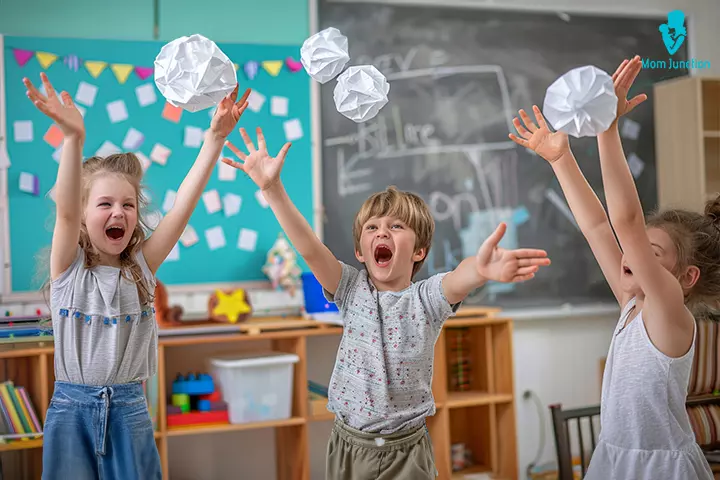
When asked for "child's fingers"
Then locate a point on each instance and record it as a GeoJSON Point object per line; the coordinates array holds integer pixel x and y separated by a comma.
{"type": "Point", "coordinates": [619, 69]}
{"type": "Point", "coordinates": [521, 129]}
{"type": "Point", "coordinates": [520, 141]}
{"type": "Point", "coordinates": [48, 86]}
{"type": "Point", "coordinates": [233, 94]}
{"type": "Point", "coordinates": [33, 93]}
{"type": "Point", "coordinates": [526, 270]}
{"type": "Point", "coordinates": [522, 278]}
{"type": "Point", "coordinates": [529, 124]}
{"type": "Point", "coordinates": [244, 98]}
{"type": "Point", "coordinates": [261, 139]}
{"type": "Point", "coordinates": [533, 262]}
{"type": "Point", "coordinates": [636, 100]}
{"type": "Point", "coordinates": [529, 253]}
{"type": "Point", "coordinates": [248, 143]}
{"type": "Point", "coordinates": [67, 99]}
{"type": "Point", "coordinates": [42, 106]}
{"type": "Point", "coordinates": [234, 164]}
{"type": "Point", "coordinates": [539, 117]}
{"type": "Point", "coordinates": [238, 153]}
{"type": "Point", "coordinates": [283, 152]}
{"type": "Point", "coordinates": [239, 109]}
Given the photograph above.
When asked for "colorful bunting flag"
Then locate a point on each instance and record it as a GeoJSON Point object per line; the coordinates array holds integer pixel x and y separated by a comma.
{"type": "Point", "coordinates": [121, 71]}
{"type": "Point", "coordinates": [46, 59]}
{"type": "Point", "coordinates": [22, 56]}
{"type": "Point", "coordinates": [293, 65]}
{"type": "Point", "coordinates": [72, 62]}
{"type": "Point", "coordinates": [95, 67]}
{"type": "Point", "coordinates": [273, 67]}
{"type": "Point", "coordinates": [251, 68]}
{"type": "Point", "coordinates": [143, 72]}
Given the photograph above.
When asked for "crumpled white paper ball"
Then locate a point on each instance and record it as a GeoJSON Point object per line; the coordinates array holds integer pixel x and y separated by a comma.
{"type": "Point", "coordinates": [361, 92]}
{"type": "Point", "coordinates": [581, 103]}
{"type": "Point", "coordinates": [325, 54]}
{"type": "Point", "coordinates": [193, 73]}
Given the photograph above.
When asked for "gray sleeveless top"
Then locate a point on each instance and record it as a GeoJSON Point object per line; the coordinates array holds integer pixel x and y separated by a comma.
{"type": "Point", "coordinates": [103, 336]}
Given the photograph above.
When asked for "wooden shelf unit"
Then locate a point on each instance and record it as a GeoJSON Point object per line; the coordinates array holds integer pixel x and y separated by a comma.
{"type": "Point", "coordinates": [687, 141]}
{"type": "Point", "coordinates": [482, 418]}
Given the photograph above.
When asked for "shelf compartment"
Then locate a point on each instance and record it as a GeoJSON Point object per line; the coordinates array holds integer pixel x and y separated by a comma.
{"type": "Point", "coordinates": [474, 429]}
{"type": "Point", "coordinates": [473, 399]}
{"type": "Point", "coordinates": [711, 105]}
{"type": "Point", "coordinates": [232, 427]}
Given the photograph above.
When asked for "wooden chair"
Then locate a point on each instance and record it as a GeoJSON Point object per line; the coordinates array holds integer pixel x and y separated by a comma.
{"type": "Point", "coordinates": [561, 420]}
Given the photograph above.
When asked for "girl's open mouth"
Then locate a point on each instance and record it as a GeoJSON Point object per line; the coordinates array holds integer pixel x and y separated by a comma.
{"type": "Point", "coordinates": [115, 232]}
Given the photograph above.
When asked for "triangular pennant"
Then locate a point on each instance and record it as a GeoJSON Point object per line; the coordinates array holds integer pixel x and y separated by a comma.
{"type": "Point", "coordinates": [22, 56]}
{"type": "Point", "coordinates": [273, 67]}
{"type": "Point", "coordinates": [46, 59]}
{"type": "Point", "coordinates": [121, 71]}
{"type": "Point", "coordinates": [95, 67]}
{"type": "Point", "coordinates": [143, 72]}
{"type": "Point", "coordinates": [251, 69]}
{"type": "Point", "coordinates": [293, 65]}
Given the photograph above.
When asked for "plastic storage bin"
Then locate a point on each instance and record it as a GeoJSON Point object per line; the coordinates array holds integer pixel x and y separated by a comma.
{"type": "Point", "coordinates": [257, 386]}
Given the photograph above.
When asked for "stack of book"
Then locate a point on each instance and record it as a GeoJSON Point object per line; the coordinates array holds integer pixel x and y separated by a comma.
{"type": "Point", "coordinates": [18, 420]}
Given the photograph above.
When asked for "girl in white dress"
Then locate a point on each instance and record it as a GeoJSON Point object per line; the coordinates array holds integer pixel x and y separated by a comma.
{"type": "Point", "coordinates": [659, 272]}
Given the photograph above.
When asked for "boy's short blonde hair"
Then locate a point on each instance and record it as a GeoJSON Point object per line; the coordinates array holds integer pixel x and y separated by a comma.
{"type": "Point", "coordinates": [406, 207]}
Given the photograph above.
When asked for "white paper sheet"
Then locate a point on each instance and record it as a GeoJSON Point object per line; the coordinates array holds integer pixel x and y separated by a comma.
{"type": "Point", "coordinates": [247, 240]}
{"type": "Point", "coordinates": [630, 129]}
{"type": "Point", "coordinates": [189, 237]}
{"type": "Point", "coordinates": [256, 100]}
{"type": "Point", "coordinates": [146, 94]}
{"type": "Point", "coordinates": [361, 91]}
{"type": "Point", "coordinates": [279, 106]}
{"type": "Point", "coordinates": [117, 111]}
{"type": "Point", "coordinates": [215, 238]}
{"type": "Point", "coordinates": [86, 94]}
{"type": "Point", "coordinates": [28, 183]}
{"type": "Point", "coordinates": [211, 199]}
{"type": "Point", "coordinates": [193, 137]}
{"type": "Point", "coordinates": [133, 139]}
{"type": "Point", "coordinates": [56, 154]}
{"type": "Point", "coordinates": [144, 160]}
{"type": "Point", "coordinates": [293, 130]}
{"type": "Point", "coordinates": [226, 173]}
{"type": "Point", "coordinates": [160, 154]}
{"type": "Point", "coordinates": [261, 199]}
{"type": "Point", "coordinates": [169, 201]}
{"type": "Point", "coordinates": [23, 130]}
{"type": "Point", "coordinates": [174, 254]}
{"type": "Point", "coordinates": [107, 149]}
{"type": "Point", "coordinates": [231, 204]}
{"type": "Point", "coordinates": [325, 54]}
{"type": "Point", "coordinates": [636, 165]}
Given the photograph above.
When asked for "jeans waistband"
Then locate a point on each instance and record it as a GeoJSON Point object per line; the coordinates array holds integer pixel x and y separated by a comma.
{"type": "Point", "coordinates": [122, 394]}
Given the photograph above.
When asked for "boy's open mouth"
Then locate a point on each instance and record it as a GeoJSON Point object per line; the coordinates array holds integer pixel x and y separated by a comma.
{"type": "Point", "coordinates": [115, 232]}
{"type": "Point", "coordinates": [383, 255]}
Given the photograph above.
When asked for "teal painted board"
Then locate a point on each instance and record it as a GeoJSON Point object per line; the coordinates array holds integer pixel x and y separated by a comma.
{"type": "Point", "coordinates": [31, 217]}
{"type": "Point", "coordinates": [267, 22]}
{"type": "Point", "coordinates": [129, 19]}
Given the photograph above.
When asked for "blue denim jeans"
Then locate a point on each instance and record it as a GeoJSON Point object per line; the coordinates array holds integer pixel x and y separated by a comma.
{"type": "Point", "coordinates": [99, 433]}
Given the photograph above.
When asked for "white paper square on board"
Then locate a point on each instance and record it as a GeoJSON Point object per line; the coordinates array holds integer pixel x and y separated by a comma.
{"type": "Point", "coordinates": [193, 137]}
{"type": "Point", "coordinates": [146, 94]}
{"type": "Point", "coordinates": [57, 153]}
{"type": "Point", "coordinates": [255, 101]}
{"type": "Point", "coordinates": [232, 204]}
{"type": "Point", "coordinates": [117, 111]}
{"type": "Point", "coordinates": [226, 173]}
{"type": "Point", "coordinates": [636, 165]}
{"type": "Point", "coordinates": [189, 237]}
{"type": "Point", "coordinates": [169, 201]}
{"type": "Point", "coordinates": [215, 238]}
{"type": "Point", "coordinates": [211, 199]}
{"type": "Point", "coordinates": [630, 129]}
{"type": "Point", "coordinates": [28, 183]}
{"type": "Point", "coordinates": [261, 199]}
{"type": "Point", "coordinates": [160, 154]}
{"type": "Point", "coordinates": [107, 149]}
{"type": "Point", "coordinates": [174, 254]}
{"type": "Point", "coordinates": [144, 160]}
{"type": "Point", "coordinates": [279, 106]}
{"type": "Point", "coordinates": [86, 94]}
{"type": "Point", "coordinates": [23, 131]}
{"type": "Point", "coordinates": [133, 139]}
{"type": "Point", "coordinates": [247, 240]}
{"type": "Point", "coordinates": [293, 130]}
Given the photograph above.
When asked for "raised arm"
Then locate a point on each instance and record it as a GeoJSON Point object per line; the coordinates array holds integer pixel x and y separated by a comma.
{"type": "Point", "coordinates": [584, 204]}
{"type": "Point", "coordinates": [664, 297]}
{"type": "Point", "coordinates": [264, 170]}
{"type": "Point", "coordinates": [171, 227]}
{"type": "Point", "coordinates": [68, 197]}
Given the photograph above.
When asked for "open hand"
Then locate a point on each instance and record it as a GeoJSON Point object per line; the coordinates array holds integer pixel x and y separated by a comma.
{"type": "Point", "coordinates": [263, 169]}
{"type": "Point", "coordinates": [501, 265]}
{"type": "Point", "coordinates": [623, 79]}
{"type": "Point", "coordinates": [228, 112]}
{"type": "Point", "coordinates": [539, 138]}
{"type": "Point", "coordinates": [65, 114]}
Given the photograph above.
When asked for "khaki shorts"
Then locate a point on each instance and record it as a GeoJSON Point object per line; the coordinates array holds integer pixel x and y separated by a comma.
{"type": "Point", "coordinates": [355, 455]}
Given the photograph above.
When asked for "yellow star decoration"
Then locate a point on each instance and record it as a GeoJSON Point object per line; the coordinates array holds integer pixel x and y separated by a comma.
{"type": "Point", "coordinates": [232, 305]}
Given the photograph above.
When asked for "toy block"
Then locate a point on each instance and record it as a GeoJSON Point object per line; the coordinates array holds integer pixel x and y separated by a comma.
{"type": "Point", "coordinates": [173, 410]}
{"type": "Point", "coordinates": [181, 400]}
{"type": "Point", "coordinates": [193, 384]}
{"type": "Point", "coordinates": [198, 418]}
{"type": "Point", "coordinates": [215, 396]}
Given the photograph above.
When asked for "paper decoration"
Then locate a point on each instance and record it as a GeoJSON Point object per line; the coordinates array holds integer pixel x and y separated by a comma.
{"type": "Point", "coordinates": [107, 149]}
{"type": "Point", "coordinates": [215, 238]}
{"type": "Point", "coordinates": [231, 204]}
{"type": "Point", "coordinates": [144, 160]}
{"type": "Point", "coordinates": [23, 130]}
{"type": "Point", "coordinates": [174, 254]}
{"type": "Point", "coordinates": [189, 237]}
{"type": "Point", "coordinates": [145, 94]}
{"type": "Point", "coordinates": [293, 130]}
{"type": "Point", "coordinates": [172, 113]}
{"type": "Point", "coordinates": [211, 199]}
{"type": "Point", "coordinates": [160, 154]}
{"type": "Point", "coordinates": [281, 266]}
{"type": "Point", "coordinates": [95, 67]}
{"type": "Point", "coordinates": [86, 94]}
{"type": "Point", "coordinates": [57, 153]}
{"type": "Point", "coordinates": [54, 136]}
{"type": "Point", "coordinates": [45, 59]}
{"type": "Point", "coordinates": [251, 69]}
{"type": "Point", "coordinates": [278, 106]}
{"type": "Point", "coordinates": [193, 137]}
{"type": "Point", "coordinates": [72, 62]}
{"type": "Point", "coordinates": [121, 71]}
{"type": "Point", "coordinates": [582, 102]}
{"type": "Point", "coordinates": [29, 183]}
{"type": "Point", "coordinates": [255, 101]}
{"type": "Point", "coordinates": [293, 65]}
{"type": "Point", "coordinates": [272, 67]}
{"type": "Point", "coordinates": [230, 306]}
{"type": "Point", "coordinates": [22, 56]}
{"type": "Point", "coordinates": [361, 92]}
{"type": "Point", "coordinates": [325, 54]}
{"type": "Point", "coordinates": [170, 196]}
{"type": "Point", "coordinates": [144, 72]}
{"type": "Point", "coordinates": [261, 199]}
{"type": "Point", "coordinates": [117, 111]}
{"type": "Point", "coordinates": [636, 165]}
{"type": "Point", "coordinates": [226, 173]}
{"type": "Point", "coordinates": [630, 129]}
{"type": "Point", "coordinates": [133, 139]}
{"type": "Point", "coordinates": [193, 73]}
{"type": "Point", "coordinates": [247, 240]}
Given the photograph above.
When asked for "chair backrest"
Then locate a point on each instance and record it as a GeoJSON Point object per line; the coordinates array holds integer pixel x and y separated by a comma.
{"type": "Point", "coordinates": [561, 420]}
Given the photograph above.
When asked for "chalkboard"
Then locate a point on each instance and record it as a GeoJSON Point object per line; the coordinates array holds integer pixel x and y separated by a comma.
{"type": "Point", "coordinates": [232, 237]}
{"type": "Point", "coordinates": [457, 77]}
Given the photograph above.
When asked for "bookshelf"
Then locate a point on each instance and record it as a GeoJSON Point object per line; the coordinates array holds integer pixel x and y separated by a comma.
{"type": "Point", "coordinates": [482, 417]}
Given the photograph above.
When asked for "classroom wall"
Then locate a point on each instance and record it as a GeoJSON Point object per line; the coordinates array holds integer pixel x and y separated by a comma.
{"type": "Point", "coordinates": [555, 357]}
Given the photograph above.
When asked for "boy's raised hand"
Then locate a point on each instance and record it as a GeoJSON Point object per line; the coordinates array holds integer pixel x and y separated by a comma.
{"type": "Point", "coordinates": [263, 169]}
{"type": "Point", "coordinates": [623, 79]}
{"type": "Point", "coordinates": [228, 112]}
{"type": "Point", "coordinates": [65, 114]}
{"type": "Point", "coordinates": [538, 138]}
{"type": "Point", "coordinates": [501, 265]}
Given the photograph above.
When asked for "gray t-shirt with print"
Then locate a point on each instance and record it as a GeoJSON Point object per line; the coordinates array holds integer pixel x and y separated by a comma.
{"type": "Point", "coordinates": [382, 380]}
{"type": "Point", "coordinates": [103, 336]}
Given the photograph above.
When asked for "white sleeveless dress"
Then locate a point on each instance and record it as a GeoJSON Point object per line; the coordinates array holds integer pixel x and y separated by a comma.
{"type": "Point", "coordinates": [645, 430]}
